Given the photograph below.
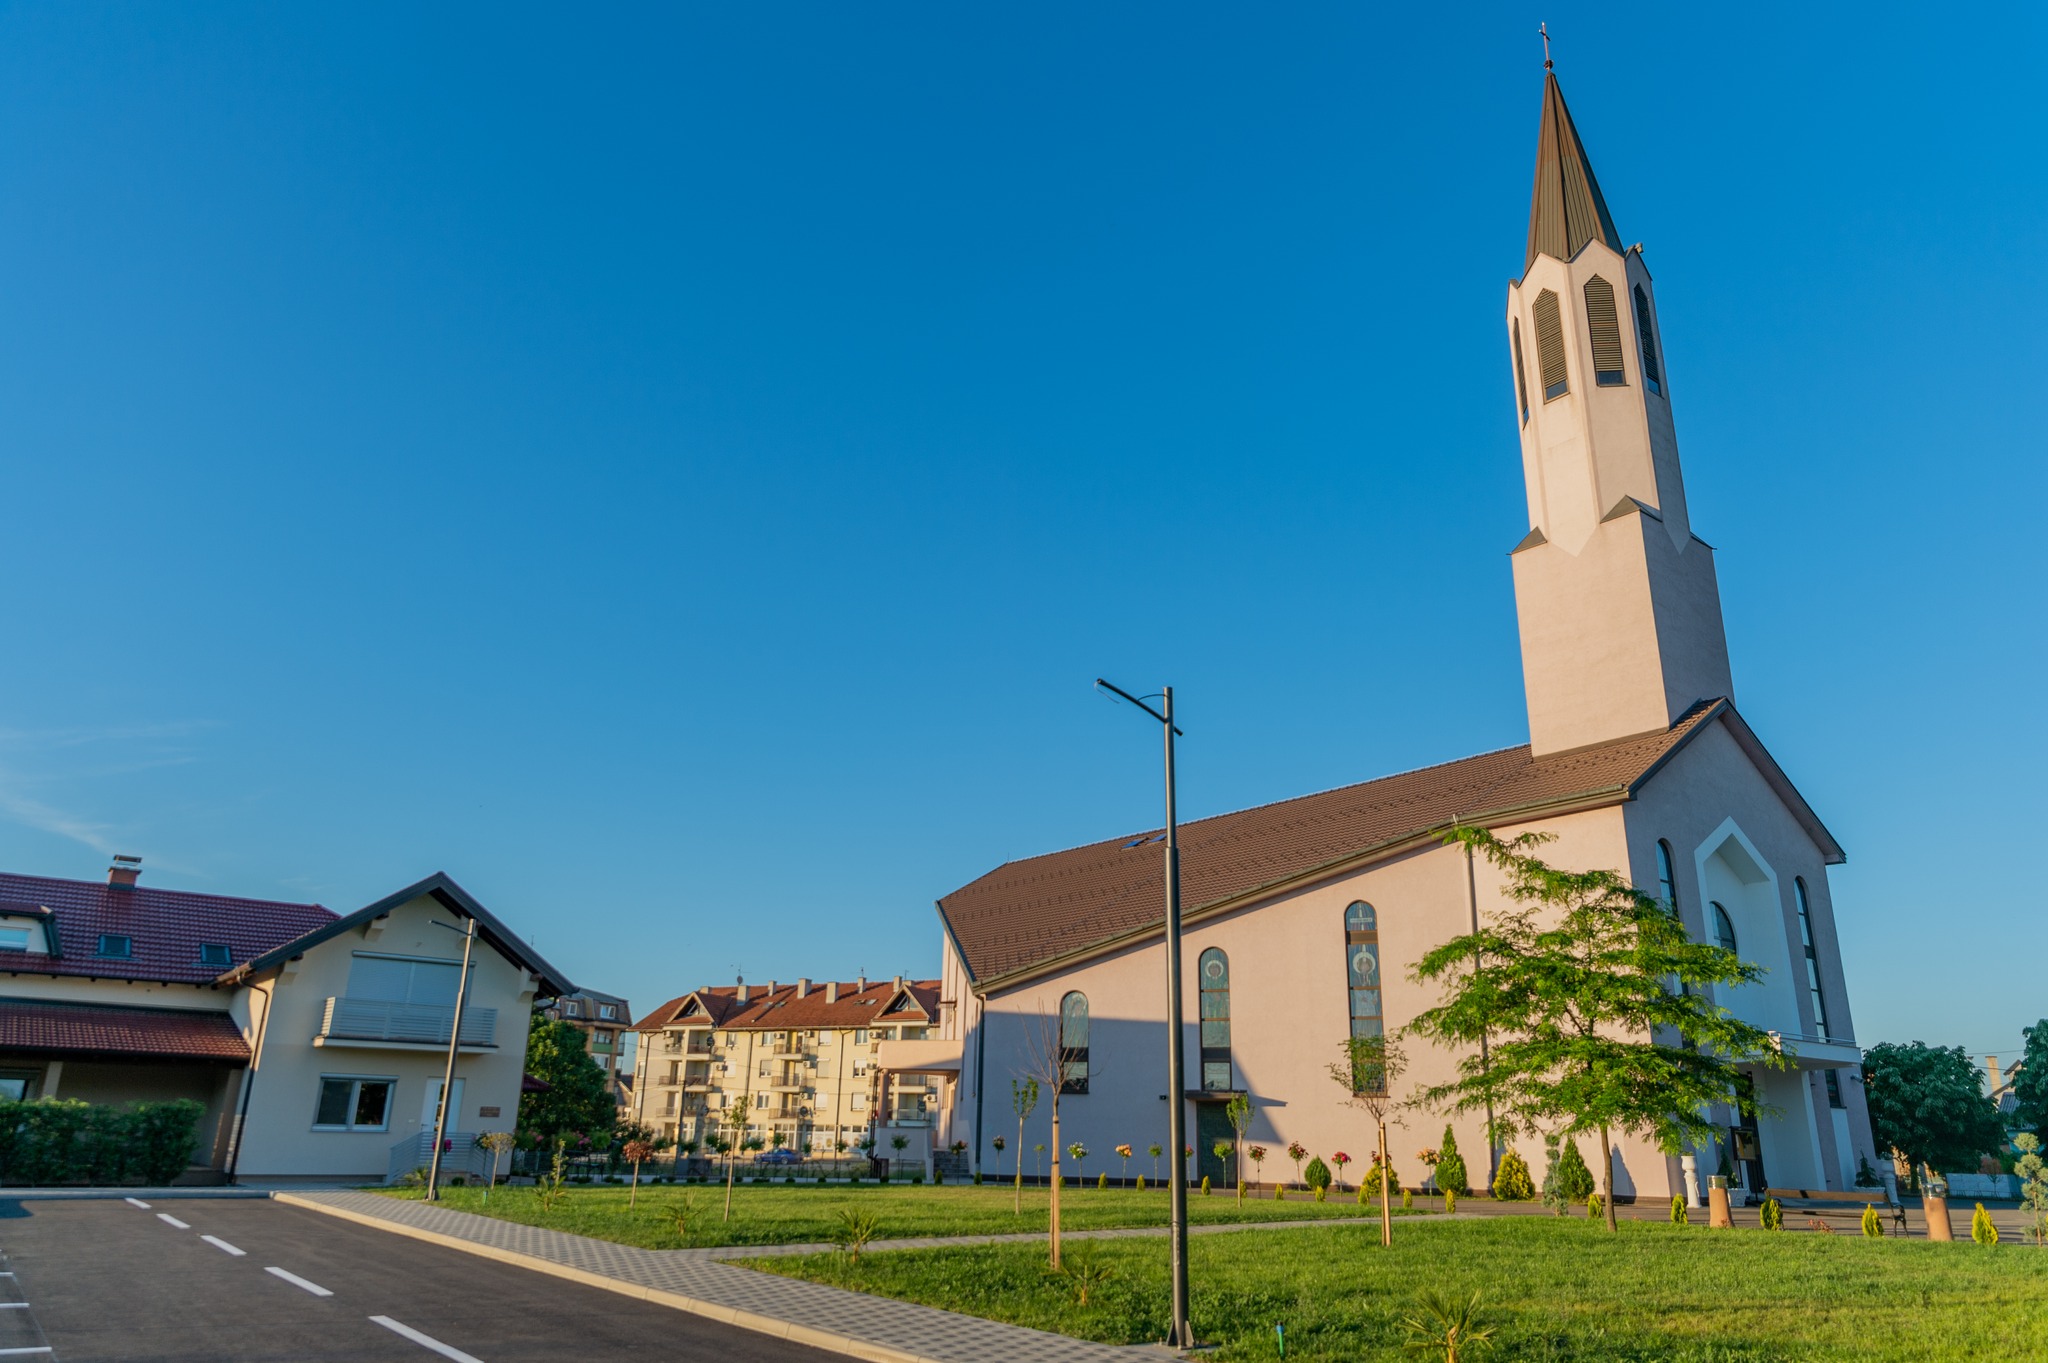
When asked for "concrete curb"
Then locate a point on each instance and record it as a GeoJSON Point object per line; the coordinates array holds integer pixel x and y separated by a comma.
{"type": "Point", "coordinates": [745, 1320]}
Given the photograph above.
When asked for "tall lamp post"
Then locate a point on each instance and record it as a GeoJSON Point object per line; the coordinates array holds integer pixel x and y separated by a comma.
{"type": "Point", "coordinates": [1183, 1335]}
{"type": "Point", "coordinates": [468, 931]}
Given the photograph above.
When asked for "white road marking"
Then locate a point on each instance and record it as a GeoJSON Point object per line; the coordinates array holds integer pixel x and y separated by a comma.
{"type": "Point", "coordinates": [170, 1220]}
{"type": "Point", "coordinates": [13, 1306]}
{"type": "Point", "coordinates": [426, 1341]}
{"type": "Point", "coordinates": [16, 1353]}
{"type": "Point", "coordinates": [136, 1202]}
{"type": "Point", "coordinates": [219, 1243]}
{"type": "Point", "coordinates": [296, 1281]}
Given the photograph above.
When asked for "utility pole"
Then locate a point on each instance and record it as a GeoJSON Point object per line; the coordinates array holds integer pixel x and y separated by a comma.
{"type": "Point", "coordinates": [468, 931]}
{"type": "Point", "coordinates": [1182, 1335]}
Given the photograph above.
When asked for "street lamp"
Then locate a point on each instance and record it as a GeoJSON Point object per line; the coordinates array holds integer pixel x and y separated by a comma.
{"type": "Point", "coordinates": [468, 931]}
{"type": "Point", "coordinates": [1183, 1335]}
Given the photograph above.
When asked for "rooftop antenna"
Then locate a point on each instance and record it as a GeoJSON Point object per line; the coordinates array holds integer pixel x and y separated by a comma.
{"type": "Point", "coordinates": [1544, 29]}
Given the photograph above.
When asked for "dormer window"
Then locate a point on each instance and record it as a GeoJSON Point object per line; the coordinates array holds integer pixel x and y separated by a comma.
{"type": "Point", "coordinates": [607, 1011]}
{"type": "Point", "coordinates": [117, 945]}
{"type": "Point", "coordinates": [13, 939]}
{"type": "Point", "coordinates": [216, 954]}
{"type": "Point", "coordinates": [572, 1009]}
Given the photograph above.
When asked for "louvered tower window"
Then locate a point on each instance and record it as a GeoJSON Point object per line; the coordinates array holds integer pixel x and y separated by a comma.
{"type": "Point", "coordinates": [1603, 326]}
{"type": "Point", "coordinates": [1653, 374]}
{"type": "Point", "coordinates": [1550, 346]}
{"type": "Point", "coordinates": [1521, 383]}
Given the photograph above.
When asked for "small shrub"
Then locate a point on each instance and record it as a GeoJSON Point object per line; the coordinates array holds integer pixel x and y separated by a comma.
{"type": "Point", "coordinates": [1141, 1183]}
{"type": "Point", "coordinates": [1322, 1191]}
{"type": "Point", "coordinates": [1102, 1181]}
{"type": "Point", "coordinates": [1450, 1165]}
{"type": "Point", "coordinates": [1205, 1185]}
{"type": "Point", "coordinates": [1573, 1181]}
{"type": "Point", "coordinates": [1407, 1200]}
{"type": "Point", "coordinates": [1512, 1183]}
{"type": "Point", "coordinates": [1771, 1216]}
{"type": "Point", "coordinates": [1370, 1184]}
{"type": "Point", "coordinates": [1678, 1214]}
{"type": "Point", "coordinates": [1317, 1175]}
{"type": "Point", "coordinates": [1981, 1229]}
{"type": "Point", "coordinates": [1086, 1272]}
{"type": "Point", "coordinates": [1450, 1200]}
{"type": "Point", "coordinates": [1446, 1327]}
{"type": "Point", "coordinates": [1873, 1224]}
{"type": "Point", "coordinates": [977, 1178]}
{"type": "Point", "coordinates": [684, 1215]}
{"type": "Point", "coordinates": [854, 1231]}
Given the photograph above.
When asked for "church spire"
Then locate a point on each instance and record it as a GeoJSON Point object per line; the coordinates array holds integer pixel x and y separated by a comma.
{"type": "Point", "coordinates": [1566, 209]}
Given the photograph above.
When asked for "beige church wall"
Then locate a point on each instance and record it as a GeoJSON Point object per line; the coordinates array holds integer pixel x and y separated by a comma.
{"type": "Point", "coordinates": [1590, 661]}
{"type": "Point", "coordinates": [278, 1138]}
{"type": "Point", "coordinates": [1734, 841]}
{"type": "Point", "coordinates": [1290, 1014]}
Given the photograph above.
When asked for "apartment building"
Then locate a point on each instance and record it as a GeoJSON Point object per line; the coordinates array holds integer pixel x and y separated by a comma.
{"type": "Point", "coordinates": [823, 1065]}
{"type": "Point", "coordinates": [606, 1023]}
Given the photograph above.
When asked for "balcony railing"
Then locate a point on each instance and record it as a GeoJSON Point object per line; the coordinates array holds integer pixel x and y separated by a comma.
{"type": "Point", "coordinates": [347, 1019]}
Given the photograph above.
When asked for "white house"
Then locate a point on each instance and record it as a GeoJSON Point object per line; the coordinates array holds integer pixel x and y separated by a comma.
{"type": "Point", "coordinates": [317, 1042]}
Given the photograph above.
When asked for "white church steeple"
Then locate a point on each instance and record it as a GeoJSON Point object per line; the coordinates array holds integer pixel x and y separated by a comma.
{"type": "Point", "coordinates": [1619, 609]}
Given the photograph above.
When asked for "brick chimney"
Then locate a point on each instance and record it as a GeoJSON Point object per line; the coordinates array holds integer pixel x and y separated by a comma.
{"type": "Point", "coordinates": [124, 872]}
{"type": "Point", "coordinates": [1991, 1068]}
{"type": "Point", "coordinates": [860, 983]}
{"type": "Point", "coordinates": [740, 991]}
{"type": "Point", "coordinates": [803, 985]}
{"type": "Point", "coordinates": [899, 983]}
{"type": "Point", "coordinates": [831, 991]}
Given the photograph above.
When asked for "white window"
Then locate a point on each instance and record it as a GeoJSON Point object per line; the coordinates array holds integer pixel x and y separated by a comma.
{"type": "Point", "coordinates": [860, 1101]}
{"type": "Point", "coordinates": [351, 1102]}
{"type": "Point", "coordinates": [572, 1009]}
{"type": "Point", "coordinates": [403, 979]}
{"type": "Point", "coordinates": [860, 1036]}
{"type": "Point", "coordinates": [607, 1011]}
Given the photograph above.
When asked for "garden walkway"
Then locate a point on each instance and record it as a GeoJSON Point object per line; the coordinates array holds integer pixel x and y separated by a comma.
{"type": "Point", "coordinates": [807, 1313]}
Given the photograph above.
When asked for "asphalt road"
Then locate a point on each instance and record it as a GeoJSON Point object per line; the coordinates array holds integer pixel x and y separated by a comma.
{"type": "Point", "coordinates": [110, 1280]}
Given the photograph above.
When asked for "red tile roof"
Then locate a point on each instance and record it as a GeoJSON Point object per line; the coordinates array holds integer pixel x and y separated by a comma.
{"type": "Point", "coordinates": [1026, 912]}
{"type": "Point", "coordinates": [165, 926]}
{"type": "Point", "coordinates": [780, 1009]}
{"type": "Point", "coordinates": [36, 1025]}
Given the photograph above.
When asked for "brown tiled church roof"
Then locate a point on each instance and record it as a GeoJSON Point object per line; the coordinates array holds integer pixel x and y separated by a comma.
{"type": "Point", "coordinates": [1027, 912]}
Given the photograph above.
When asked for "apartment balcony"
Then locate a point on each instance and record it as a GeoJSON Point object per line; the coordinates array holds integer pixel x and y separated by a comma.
{"type": "Point", "coordinates": [787, 1083]}
{"type": "Point", "coordinates": [919, 1057]}
{"type": "Point", "coordinates": [786, 1048]}
{"type": "Point", "coordinates": [667, 1081]}
{"type": "Point", "coordinates": [699, 1085]}
{"type": "Point", "coordinates": [697, 1048]}
{"type": "Point", "coordinates": [374, 1024]}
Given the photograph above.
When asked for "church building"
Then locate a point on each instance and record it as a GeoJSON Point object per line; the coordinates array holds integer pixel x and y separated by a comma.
{"type": "Point", "coordinates": [1303, 918]}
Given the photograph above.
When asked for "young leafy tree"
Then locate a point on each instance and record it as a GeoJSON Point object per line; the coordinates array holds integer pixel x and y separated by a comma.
{"type": "Point", "coordinates": [1023, 1098]}
{"type": "Point", "coordinates": [578, 1096]}
{"type": "Point", "coordinates": [1569, 986]}
{"type": "Point", "coordinates": [1239, 1112]}
{"type": "Point", "coordinates": [1047, 1062]}
{"type": "Point", "coordinates": [736, 1122]}
{"type": "Point", "coordinates": [1368, 1070]}
{"type": "Point", "coordinates": [1926, 1103]}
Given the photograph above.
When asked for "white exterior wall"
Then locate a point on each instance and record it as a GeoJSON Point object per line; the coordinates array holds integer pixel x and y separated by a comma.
{"type": "Point", "coordinates": [278, 1139]}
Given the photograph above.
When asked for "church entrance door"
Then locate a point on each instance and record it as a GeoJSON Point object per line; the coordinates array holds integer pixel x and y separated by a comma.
{"type": "Point", "coordinates": [1747, 1143]}
{"type": "Point", "coordinates": [1212, 1124]}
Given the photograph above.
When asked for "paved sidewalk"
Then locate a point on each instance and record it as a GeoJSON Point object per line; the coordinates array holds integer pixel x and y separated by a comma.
{"type": "Point", "coordinates": [874, 1328]}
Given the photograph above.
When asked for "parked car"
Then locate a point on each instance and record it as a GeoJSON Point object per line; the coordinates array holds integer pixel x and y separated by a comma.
{"type": "Point", "coordinates": [778, 1157]}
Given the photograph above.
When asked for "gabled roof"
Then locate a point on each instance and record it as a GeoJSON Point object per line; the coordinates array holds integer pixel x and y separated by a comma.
{"type": "Point", "coordinates": [165, 927]}
{"type": "Point", "coordinates": [453, 898]}
{"type": "Point", "coordinates": [781, 1008]}
{"type": "Point", "coordinates": [1566, 209]}
{"type": "Point", "coordinates": [98, 1029]}
{"type": "Point", "coordinates": [1027, 915]}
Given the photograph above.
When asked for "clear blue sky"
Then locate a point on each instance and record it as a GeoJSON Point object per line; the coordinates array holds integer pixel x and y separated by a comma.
{"type": "Point", "coordinates": [679, 472]}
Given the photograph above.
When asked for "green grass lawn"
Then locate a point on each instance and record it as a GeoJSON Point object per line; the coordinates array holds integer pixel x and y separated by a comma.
{"type": "Point", "coordinates": [1554, 1289]}
{"type": "Point", "coordinates": [776, 1214]}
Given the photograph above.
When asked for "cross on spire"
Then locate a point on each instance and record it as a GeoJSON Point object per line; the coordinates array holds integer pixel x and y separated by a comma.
{"type": "Point", "coordinates": [1544, 30]}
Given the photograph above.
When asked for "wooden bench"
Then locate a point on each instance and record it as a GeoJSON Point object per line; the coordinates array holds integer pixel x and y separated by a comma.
{"type": "Point", "coordinates": [1874, 1197]}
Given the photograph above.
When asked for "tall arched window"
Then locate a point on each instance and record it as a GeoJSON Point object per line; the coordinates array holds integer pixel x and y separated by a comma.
{"type": "Point", "coordinates": [1521, 383]}
{"type": "Point", "coordinates": [1646, 340]}
{"type": "Point", "coordinates": [1820, 1005]}
{"type": "Point", "coordinates": [1074, 1043]}
{"type": "Point", "coordinates": [1724, 927]}
{"type": "Point", "coordinates": [1667, 875]}
{"type": "Point", "coordinates": [1550, 346]}
{"type": "Point", "coordinates": [1362, 953]}
{"type": "Point", "coordinates": [1214, 975]}
{"type": "Point", "coordinates": [1603, 328]}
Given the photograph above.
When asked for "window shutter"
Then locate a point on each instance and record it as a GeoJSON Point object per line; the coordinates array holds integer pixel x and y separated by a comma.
{"type": "Point", "coordinates": [1653, 374]}
{"type": "Point", "coordinates": [1521, 383]}
{"type": "Point", "coordinates": [1604, 327]}
{"type": "Point", "coordinates": [1550, 346]}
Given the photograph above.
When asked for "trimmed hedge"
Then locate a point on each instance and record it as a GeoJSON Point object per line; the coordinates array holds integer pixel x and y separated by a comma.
{"type": "Point", "coordinates": [63, 1140]}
